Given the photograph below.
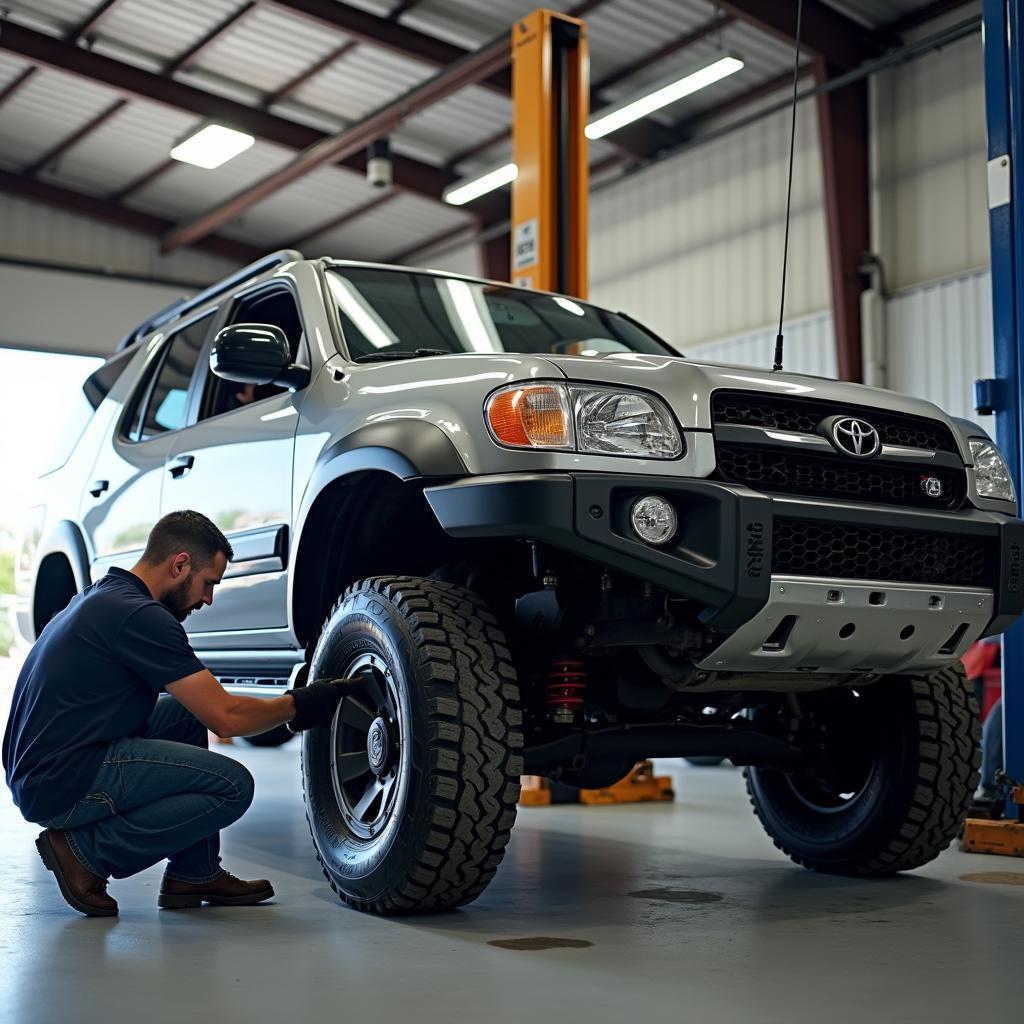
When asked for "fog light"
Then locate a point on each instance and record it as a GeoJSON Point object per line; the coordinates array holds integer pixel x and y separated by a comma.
{"type": "Point", "coordinates": [654, 519]}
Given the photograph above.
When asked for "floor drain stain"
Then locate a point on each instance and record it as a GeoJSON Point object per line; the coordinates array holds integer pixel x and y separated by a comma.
{"type": "Point", "coordinates": [995, 877]}
{"type": "Point", "coordinates": [540, 942]}
{"type": "Point", "coordinates": [677, 895]}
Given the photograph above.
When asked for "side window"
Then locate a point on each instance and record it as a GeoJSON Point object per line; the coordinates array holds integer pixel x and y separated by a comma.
{"type": "Point", "coordinates": [163, 404]}
{"type": "Point", "coordinates": [275, 307]}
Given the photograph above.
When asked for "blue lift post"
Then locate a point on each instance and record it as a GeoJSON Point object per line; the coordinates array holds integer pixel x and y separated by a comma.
{"type": "Point", "coordinates": [1004, 103]}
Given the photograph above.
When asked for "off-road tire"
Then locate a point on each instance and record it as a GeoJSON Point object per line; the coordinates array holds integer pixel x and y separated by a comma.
{"type": "Point", "coordinates": [451, 667]}
{"type": "Point", "coordinates": [925, 772]}
{"type": "Point", "coordinates": [276, 737]}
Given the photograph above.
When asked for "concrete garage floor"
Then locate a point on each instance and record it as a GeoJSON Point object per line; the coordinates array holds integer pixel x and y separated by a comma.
{"type": "Point", "coordinates": [673, 912]}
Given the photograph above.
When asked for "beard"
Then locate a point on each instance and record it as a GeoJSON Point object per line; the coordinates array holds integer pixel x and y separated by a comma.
{"type": "Point", "coordinates": [176, 601]}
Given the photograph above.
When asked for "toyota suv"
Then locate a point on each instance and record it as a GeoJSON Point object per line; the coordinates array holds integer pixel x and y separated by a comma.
{"type": "Point", "coordinates": [550, 545]}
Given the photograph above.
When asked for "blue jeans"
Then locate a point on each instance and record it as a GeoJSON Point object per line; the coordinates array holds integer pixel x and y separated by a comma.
{"type": "Point", "coordinates": [992, 748]}
{"type": "Point", "coordinates": [159, 795]}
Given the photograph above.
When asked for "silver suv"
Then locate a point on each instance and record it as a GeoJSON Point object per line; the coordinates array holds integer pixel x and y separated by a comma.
{"type": "Point", "coordinates": [553, 546]}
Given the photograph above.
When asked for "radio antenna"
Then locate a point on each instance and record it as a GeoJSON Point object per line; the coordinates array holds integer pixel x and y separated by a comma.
{"type": "Point", "coordinates": [789, 188]}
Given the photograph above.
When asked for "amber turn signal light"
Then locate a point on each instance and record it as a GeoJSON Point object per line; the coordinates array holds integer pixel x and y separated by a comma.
{"type": "Point", "coordinates": [531, 416]}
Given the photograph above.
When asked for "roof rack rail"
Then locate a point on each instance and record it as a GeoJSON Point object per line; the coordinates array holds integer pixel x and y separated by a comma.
{"type": "Point", "coordinates": [184, 305]}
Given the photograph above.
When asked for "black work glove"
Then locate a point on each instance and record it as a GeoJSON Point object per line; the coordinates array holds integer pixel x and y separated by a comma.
{"type": "Point", "coordinates": [316, 702]}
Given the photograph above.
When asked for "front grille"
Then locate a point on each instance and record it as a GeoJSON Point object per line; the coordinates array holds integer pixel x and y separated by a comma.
{"type": "Point", "coordinates": [802, 416]}
{"type": "Point", "coordinates": [802, 547]}
{"type": "Point", "coordinates": [769, 469]}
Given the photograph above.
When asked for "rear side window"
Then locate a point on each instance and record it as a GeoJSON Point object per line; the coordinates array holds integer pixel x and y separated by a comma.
{"type": "Point", "coordinates": [162, 404]}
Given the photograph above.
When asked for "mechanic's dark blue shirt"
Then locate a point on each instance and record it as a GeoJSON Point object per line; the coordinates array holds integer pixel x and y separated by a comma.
{"type": "Point", "coordinates": [92, 677]}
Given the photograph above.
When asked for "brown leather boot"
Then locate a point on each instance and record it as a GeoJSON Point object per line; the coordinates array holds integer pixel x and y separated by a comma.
{"type": "Point", "coordinates": [225, 890]}
{"type": "Point", "coordinates": [83, 890]}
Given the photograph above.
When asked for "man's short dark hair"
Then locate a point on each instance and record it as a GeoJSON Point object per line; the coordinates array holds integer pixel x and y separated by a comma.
{"type": "Point", "coordinates": [186, 531]}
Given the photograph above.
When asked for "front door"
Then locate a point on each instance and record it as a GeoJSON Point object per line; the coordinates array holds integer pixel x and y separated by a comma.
{"type": "Point", "coordinates": [235, 466]}
{"type": "Point", "coordinates": [123, 494]}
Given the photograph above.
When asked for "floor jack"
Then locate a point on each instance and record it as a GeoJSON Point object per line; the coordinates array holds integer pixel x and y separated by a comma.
{"type": "Point", "coordinates": [641, 785]}
{"type": "Point", "coordinates": [985, 835]}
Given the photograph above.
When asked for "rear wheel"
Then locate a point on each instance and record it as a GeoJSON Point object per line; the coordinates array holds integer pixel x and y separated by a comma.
{"type": "Point", "coordinates": [411, 791]}
{"type": "Point", "coordinates": [888, 788]}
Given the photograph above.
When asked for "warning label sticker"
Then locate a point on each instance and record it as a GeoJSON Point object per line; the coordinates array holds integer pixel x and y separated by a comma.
{"type": "Point", "coordinates": [525, 244]}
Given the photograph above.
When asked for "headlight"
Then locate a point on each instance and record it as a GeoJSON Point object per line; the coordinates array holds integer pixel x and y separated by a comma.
{"type": "Point", "coordinates": [991, 474]}
{"type": "Point", "coordinates": [595, 420]}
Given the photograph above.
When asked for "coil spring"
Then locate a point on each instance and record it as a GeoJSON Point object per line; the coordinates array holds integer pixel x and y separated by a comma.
{"type": "Point", "coordinates": [567, 683]}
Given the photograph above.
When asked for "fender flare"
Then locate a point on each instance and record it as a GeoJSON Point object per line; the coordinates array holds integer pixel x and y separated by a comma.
{"type": "Point", "coordinates": [65, 539]}
{"type": "Point", "coordinates": [407, 449]}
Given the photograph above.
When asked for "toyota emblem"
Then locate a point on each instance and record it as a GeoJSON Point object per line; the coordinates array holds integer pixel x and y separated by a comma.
{"type": "Point", "coordinates": [855, 437]}
{"type": "Point", "coordinates": [932, 486]}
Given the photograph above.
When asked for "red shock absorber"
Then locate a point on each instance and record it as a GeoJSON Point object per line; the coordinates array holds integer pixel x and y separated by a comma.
{"type": "Point", "coordinates": [567, 683]}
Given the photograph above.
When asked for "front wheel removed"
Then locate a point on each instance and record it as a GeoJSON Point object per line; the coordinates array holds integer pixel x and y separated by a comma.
{"type": "Point", "coordinates": [891, 772]}
{"type": "Point", "coordinates": [411, 791]}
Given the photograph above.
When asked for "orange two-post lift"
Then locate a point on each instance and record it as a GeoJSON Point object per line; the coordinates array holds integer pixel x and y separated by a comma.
{"type": "Point", "coordinates": [550, 92]}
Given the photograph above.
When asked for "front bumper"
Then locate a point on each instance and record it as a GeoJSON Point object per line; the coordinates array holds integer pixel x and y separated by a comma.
{"type": "Point", "coordinates": [721, 556]}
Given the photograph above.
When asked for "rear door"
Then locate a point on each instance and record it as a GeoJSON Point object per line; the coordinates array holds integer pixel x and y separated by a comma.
{"type": "Point", "coordinates": [234, 464]}
{"type": "Point", "coordinates": [122, 499]}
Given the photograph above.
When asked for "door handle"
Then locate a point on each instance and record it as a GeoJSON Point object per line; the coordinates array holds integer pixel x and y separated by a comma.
{"type": "Point", "coordinates": [98, 487]}
{"type": "Point", "coordinates": [181, 465]}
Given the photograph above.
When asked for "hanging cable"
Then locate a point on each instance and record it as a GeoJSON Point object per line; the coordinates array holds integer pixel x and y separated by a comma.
{"type": "Point", "coordinates": [789, 187]}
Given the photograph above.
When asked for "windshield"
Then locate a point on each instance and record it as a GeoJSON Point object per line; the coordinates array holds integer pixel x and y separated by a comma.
{"type": "Point", "coordinates": [390, 311]}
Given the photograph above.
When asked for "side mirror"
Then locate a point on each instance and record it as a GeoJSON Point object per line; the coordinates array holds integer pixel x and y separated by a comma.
{"type": "Point", "coordinates": [255, 354]}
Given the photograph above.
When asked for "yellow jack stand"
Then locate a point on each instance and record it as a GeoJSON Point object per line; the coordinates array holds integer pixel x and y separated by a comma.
{"type": "Point", "coordinates": [641, 785]}
{"type": "Point", "coordinates": [1003, 837]}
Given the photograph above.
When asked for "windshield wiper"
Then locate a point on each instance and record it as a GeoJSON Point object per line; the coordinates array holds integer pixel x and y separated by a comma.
{"type": "Point", "coordinates": [377, 357]}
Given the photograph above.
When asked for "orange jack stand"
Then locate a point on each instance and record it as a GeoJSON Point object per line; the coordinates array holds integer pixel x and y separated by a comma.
{"type": "Point", "coordinates": [1003, 837]}
{"type": "Point", "coordinates": [641, 785]}
{"type": "Point", "coordinates": [535, 792]}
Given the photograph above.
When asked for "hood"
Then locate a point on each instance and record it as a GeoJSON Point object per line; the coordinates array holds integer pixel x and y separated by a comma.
{"type": "Point", "coordinates": [686, 385]}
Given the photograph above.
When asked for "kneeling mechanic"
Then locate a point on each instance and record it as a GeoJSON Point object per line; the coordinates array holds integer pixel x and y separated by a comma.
{"type": "Point", "coordinates": [119, 778]}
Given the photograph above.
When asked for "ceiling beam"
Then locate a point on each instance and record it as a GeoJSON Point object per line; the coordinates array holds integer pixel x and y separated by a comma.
{"type": "Point", "coordinates": [197, 49]}
{"type": "Point", "coordinates": [341, 219]}
{"type": "Point", "coordinates": [120, 216]}
{"type": "Point", "coordinates": [411, 175]}
{"type": "Point", "coordinates": [390, 35]}
{"type": "Point", "coordinates": [425, 246]}
{"type": "Point", "coordinates": [351, 141]}
{"type": "Point", "coordinates": [923, 14]}
{"type": "Point", "coordinates": [825, 32]}
{"type": "Point", "coordinates": [85, 29]}
{"type": "Point", "coordinates": [304, 76]}
{"type": "Point", "coordinates": [16, 83]}
{"type": "Point", "coordinates": [74, 138]}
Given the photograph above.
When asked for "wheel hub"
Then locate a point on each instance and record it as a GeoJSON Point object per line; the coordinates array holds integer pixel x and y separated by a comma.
{"type": "Point", "coordinates": [379, 747]}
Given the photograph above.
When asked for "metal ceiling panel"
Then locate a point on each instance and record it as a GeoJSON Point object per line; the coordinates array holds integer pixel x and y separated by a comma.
{"type": "Point", "coordinates": [268, 48]}
{"type": "Point", "coordinates": [136, 139]}
{"type": "Point", "coordinates": [390, 229]}
{"type": "Point", "coordinates": [64, 14]}
{"type": "Point", "coordinates": [186, 190]}
{"type": "Point", "coordinates": [470, 23]}
{"type": "Point", "coordinates": [163, 29]}
{"type": "Point", "coordinates": [364, 79]}
{"type": "Point", "coordinates": [290, 214]}
{"type": "Point", "coordinates": [48, 108]}
{"type": "Point", "coordinates": [10, 68]}
{"type": "Point", "coordinates": [457, 123]}
{"type": "Point", "coordinates": [875, 13]}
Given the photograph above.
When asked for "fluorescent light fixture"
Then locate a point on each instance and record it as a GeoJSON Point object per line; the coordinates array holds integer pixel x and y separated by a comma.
{"type": "Point", "coordinates": [627, 113]}
{"type": "Point", "coordinates": [457, 195]}
{"type": "Point", "coordinates": [212, 146]}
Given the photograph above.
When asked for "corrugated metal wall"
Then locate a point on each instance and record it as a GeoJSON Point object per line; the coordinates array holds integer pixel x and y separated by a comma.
{"type": "Point", "coordinates": [693, 245]}
{"type": "Point", "coordinates": [940, 342]}
{"type": "Point", "coordinates": [810, 347]}
{"type": "Point", "coordinates": [930, 205]}
{"type": "Point", "coordinates": [35, 232]}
